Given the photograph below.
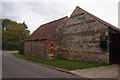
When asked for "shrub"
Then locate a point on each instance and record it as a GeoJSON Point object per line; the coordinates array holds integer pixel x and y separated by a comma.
{"type": "Point", "coordinates": [21, 47]}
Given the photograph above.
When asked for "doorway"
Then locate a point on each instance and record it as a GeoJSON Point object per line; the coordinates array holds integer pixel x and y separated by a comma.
{"type": "Point", "coordinates": [114, 48]}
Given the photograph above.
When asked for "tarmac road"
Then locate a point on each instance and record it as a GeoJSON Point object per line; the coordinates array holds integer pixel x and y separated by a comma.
{"type": "Point", "coordinates": [13, 67]}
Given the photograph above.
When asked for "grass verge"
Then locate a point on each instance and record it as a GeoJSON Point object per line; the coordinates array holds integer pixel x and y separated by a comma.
{"type": "Point", "coordinates": [60, 63]}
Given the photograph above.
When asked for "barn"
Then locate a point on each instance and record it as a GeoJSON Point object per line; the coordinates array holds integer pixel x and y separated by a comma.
{"type": "Point", "coordinates": [87, 38]}
{"type": "Point", "coordinates": [81, 37]}
{"type": "Point", "coordinates": [40, 42]}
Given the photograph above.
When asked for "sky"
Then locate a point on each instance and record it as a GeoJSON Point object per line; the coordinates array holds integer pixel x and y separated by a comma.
{"type": "Point", "coordinates": [38, 12]}
{"type": "Point", "coordinates": [119, 14]}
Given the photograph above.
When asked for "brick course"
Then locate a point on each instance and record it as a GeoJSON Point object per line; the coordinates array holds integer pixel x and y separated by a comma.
{"type": "Point", "coordinates": [81, 40]}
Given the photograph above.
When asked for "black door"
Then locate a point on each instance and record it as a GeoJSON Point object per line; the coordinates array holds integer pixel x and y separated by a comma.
{"type": "Point", "coordinates": [114, 48]}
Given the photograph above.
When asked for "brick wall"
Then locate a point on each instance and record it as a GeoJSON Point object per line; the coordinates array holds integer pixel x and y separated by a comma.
{"type": "Point", "coordinates": [81, 39]}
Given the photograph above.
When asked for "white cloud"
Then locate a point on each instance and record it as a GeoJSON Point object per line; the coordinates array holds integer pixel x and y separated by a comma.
{"type": "Point", "coordinates": [38, 12]}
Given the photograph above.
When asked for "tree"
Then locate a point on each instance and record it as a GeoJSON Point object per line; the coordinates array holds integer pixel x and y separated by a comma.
{"type": "Point", "coordinates": [13, 34]}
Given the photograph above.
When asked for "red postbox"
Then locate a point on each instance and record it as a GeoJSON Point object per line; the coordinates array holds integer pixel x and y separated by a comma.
{"type": "Point", "coordinates": [51, 48]}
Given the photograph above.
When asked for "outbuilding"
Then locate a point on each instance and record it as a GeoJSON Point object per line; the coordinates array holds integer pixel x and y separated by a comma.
{"type": "Point", "coordinates": [87, 38]}
{"type": "Point", "coordinates": [42, 43]}
{"type": "Point", "coordinates": [81, 37]}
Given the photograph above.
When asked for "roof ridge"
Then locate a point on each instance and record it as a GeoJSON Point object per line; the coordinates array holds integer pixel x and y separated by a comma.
{"type": "Point", "coordinates": [97, 18]}
{"type": "Point", "coordinates": [49, 23]}
{"type": "Point", "coordinates": [54, 20]}
{"type": "Point", "coordinates": [46, 25]}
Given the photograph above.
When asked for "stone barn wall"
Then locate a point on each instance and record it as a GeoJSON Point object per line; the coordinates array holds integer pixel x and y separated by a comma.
{"type": "Point", "coordinates": [81, 38]}
{"type": "Point", "coordinates": [54, 39]}
{"type": "Point", "coordinates": [27, 48]}
{"type": "Point", "coordinates": [39, 42]}
{"type": "Point", "coordinates": [36, 49]}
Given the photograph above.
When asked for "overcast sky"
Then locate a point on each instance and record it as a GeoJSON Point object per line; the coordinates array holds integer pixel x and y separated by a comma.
{"type": "Point", "coordinates": [38, 12]}
{"type": "Point", "coordinates": [119, 14]}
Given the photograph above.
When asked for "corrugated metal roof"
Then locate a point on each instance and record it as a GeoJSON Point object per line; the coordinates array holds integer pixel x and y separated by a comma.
{"type": "Point", "coordinates": [45, 30]}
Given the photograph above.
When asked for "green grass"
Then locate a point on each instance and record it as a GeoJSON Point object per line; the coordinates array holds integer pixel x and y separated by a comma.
{"type": "Point", "coordinates": [59, 63]}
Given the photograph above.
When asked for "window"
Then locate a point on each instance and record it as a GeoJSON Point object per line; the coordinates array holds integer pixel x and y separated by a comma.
{"type": "Point", "coordinates": [103, 42]}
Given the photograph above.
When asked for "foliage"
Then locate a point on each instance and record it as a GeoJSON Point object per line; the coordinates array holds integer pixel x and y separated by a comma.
{"type": "Point", "coordinates": [21, 47]}
{"type": "Point", "coordinates": [64, 64]}
{"type": "Point", "coordinates": [13, 35]}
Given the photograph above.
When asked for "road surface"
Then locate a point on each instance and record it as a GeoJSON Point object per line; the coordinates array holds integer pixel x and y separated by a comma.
{"type": "Point", "coordinates": [13, 67]}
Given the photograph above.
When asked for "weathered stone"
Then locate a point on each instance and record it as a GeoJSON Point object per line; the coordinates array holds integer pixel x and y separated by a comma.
{"type": "Point", "coordinates": [83, 47]}
{"type": "Point", "coordinates": [78, 39]}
